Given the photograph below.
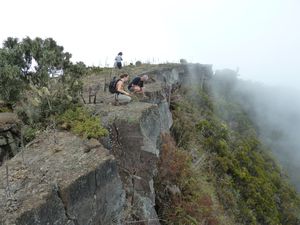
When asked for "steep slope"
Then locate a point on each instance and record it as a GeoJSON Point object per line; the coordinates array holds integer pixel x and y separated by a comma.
{"type": "Point", "coordinates": [245, 182]}
{"type": "Point", "coordinates": [171, 158]}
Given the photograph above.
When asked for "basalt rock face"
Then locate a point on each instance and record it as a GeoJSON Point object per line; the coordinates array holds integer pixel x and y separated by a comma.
{"type": "Point", "coordinates": [134, 141]}
{"type": "Point", "coordinates": [165, 81]}
{"type": "Point", "coordinates": [135, 131]}
{"type": "Point", "coordinates": [9, 136]}
{"type": "Point", "coordinates": [61, 180]}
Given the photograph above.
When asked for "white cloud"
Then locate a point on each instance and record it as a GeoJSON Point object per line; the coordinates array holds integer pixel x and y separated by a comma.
{"type": "Point", "coordinates": [260, 37]}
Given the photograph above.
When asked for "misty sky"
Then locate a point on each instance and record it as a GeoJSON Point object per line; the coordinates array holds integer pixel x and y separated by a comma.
{"type": "Point", "coordinates": [261, 37]}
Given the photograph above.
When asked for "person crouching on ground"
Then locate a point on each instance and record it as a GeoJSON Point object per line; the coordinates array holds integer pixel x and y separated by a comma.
{"type": "Point", "coordinates": [137, 85]}
{"type": "Point", "coordinates": [122, 95]}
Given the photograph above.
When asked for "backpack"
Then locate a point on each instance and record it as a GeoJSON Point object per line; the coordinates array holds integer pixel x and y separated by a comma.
{"type": "Point", "coordinates": [112, 85]}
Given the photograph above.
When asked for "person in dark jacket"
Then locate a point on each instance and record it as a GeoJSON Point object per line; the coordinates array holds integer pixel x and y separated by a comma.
{"type": "Point", "coordinates": [137, 84]}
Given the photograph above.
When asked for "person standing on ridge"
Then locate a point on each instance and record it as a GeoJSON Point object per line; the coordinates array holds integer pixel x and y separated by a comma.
{"type": "Point", "coordinates": [118, 60]}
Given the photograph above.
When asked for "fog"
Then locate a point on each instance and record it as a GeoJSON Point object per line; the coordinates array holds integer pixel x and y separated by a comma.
{"type": "Point", "coordinates": [275, 111]}
{"type": "Point", "coordinates": [260, 37]}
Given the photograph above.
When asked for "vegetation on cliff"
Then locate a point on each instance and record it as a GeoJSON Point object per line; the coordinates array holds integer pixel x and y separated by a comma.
{"type": "Point", "coordinates": [80, 122]}
{"type": "Point", "coordinates": [213, 168]}
{"type": "Point", "coordinates": [39, 82]}
{"type": "Point", "coordinates": [218, 152]}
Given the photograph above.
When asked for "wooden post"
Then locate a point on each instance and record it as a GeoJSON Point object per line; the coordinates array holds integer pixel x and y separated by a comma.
{"type": "Point", "coordinates": [90, 91]}
{"type": "Point", "coordinates": [7, 182]}
{"type": "Point", "coordinates": [22, 146]}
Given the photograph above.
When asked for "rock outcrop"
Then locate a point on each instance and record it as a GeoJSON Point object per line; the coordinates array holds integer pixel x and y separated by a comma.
{"type": "Point", "coordinates": [9, 136]}
{"type": "Point", "coordinates": [134, 141]}
{"type": "Point", "coordinates": [60, 179]}
{"type": "Point", "coordinates": [57, 181]}
{"type": "Point", "coordinates": [135, 132]}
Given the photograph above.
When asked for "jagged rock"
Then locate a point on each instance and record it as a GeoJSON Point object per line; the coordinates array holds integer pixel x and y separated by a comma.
{"type": "Point", "coordinates": [173, 190]}
{"type": "Point", "coordinates": [3, 140]}
{"type": "Point", "coordinates": [145, 209]}
{"type": "Point", "coordinates": [9, 135]}
{"type": "Point", "coordinates": [91, 144]}
{"type": "Point", "coordinates": [7, 121]}
{"type": "Point", "coordinates": [135, 134]}
{"type": "Point", "coordinates": [65, 187]}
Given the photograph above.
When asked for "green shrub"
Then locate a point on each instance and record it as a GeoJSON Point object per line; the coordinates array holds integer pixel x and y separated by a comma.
{"type": "Point", "coordinates": [80, 122]}
{"type": "Point", "coordinates": [252, 173]}
{"type": "Point", "coordinates": [11, 85]}
{"type": "Point", "coordinates": [183, 61]}
{"type": "Point", "coordinates": [191, 204]}
{"type": "Point", "coordinates": [29, 133]}
{"type": "Point", "coordinates": [5, 109]}
{"type": "Point", "coordinates": [138, 63]}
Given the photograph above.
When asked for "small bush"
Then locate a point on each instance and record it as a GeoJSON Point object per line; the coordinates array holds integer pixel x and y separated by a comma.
{"type": "Point", "coordinates": [138, 63]}
{"type": "Point", "coordinates": [190, 204]}
{"type": "Point", "coordinates": [183, 61]}
{"type": "Point", "coordinates": [80, 122]}
{"type": "Point", "coordinates": [29, 133]}
{"type": "Point", "coordinates": [11, 84]}
{"type": "Point", "coordinates": [5, 109]}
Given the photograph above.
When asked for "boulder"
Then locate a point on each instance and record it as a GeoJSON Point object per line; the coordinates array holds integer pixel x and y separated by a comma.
{"type": "Point", "coordinates": [9, 136]}
{"type": "Point", "coordinates": [56, 181]}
